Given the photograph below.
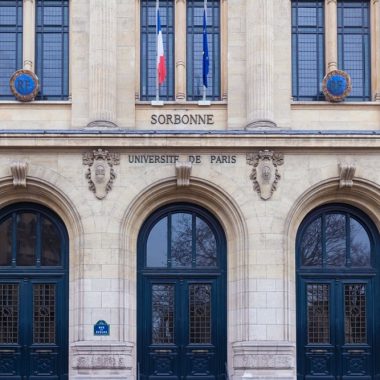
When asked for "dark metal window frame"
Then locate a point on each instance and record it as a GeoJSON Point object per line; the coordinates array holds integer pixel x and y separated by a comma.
{"type": "Point", "coordinates": [364, 31]}
{"type": "Point", "coordinates": [318, 30]}
{"type": "Point", "coordinates": [41, 31]}
{"type": "Point", "coordinates": [148, 58]}
{"type": "Point", "coordinates": [5, 92]}
{"type": "Point", "coordinates": [214, 43]}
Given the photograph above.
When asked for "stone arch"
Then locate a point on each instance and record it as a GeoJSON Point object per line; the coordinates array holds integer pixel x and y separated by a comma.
{"type": "Point", "coordinates": [50, 189]}
{"type": "Point", "coordinates": [364, 195]}
{"type": "Point", "coordinates": [224, 209]}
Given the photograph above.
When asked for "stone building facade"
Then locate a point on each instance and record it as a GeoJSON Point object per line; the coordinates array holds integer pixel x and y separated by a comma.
{"type": "Point", "coordinates": [255, 165]}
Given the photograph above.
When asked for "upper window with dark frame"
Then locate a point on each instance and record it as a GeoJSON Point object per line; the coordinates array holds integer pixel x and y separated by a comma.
{"type": "Point", "coordinates": [10, 43]}
{"type": "Point", "coordinates": [354, 46]}
{"type": "Point", "coordinates": [195, 11]}
{"type": "Point", "coordinates": [148, 49]}
{"type": "Point", "coordinates": [308, 56]}
{"type": "Point", "coordinates": [52, 49]}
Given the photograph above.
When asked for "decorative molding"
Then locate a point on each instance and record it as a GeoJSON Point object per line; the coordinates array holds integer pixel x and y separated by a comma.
{"type": "Point", "coordinates": [102, 124]}
{"type": "Point", "coordinates": [346, 174]}
{"type": "Point", "coordinates": [261, 124]}
{"type": "Point", "coordinates": [19, 170]}
{"type": "Point", "coordinates": [100, 173]}
{"type": "Point", "coordinates": [183, 172]}
{"type": "Point", "coordinates": [331, 1]}
{"type": "Point", "coordinates": [265, 174]}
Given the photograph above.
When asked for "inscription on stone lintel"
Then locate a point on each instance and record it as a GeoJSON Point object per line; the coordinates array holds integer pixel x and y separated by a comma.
{"type": "Point", "coordinates": [174, 158]}
{"type": "Point", "coordinates": [186, 119]}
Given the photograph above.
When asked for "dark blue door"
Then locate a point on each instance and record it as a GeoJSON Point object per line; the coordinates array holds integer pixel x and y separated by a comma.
{"type": "Point", "coordinates": [182, 298]}
{"type": "Point", "coordinates": [33, 294]}
{"type": "Point", "coordinates": [337, 283]}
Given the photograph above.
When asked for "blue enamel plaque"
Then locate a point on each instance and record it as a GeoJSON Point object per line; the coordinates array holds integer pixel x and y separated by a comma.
{"type": "Point", "coordinates": [336, 85]}
{"type": "Point", "coordinates": [101, 328]}
{"type": "Point", "coordinates": [24, 85]}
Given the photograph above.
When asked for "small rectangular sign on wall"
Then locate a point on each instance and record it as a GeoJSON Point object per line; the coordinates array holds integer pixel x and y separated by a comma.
{"type": "Point", "coordinates": [101, 328]}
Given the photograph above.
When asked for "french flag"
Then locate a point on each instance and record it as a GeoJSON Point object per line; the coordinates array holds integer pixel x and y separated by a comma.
{"type": "Point", "coordinates": [161, 67]}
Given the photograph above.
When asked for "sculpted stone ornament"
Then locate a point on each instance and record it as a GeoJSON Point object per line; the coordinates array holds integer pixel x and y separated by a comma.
{"type": "Point", "coordinates": [100, 173]}
{"type": "Point", "coordinates": [19, 170]}
{"type": "Point", "coordinates": [265, 175]}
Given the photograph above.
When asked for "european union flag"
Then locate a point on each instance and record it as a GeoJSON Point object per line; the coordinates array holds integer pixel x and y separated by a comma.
{"type": "Point", "coordinates": [205, 47]}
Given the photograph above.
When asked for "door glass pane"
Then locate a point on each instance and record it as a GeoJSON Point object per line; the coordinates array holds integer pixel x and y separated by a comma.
{"type": "Point", "coordinates": [26, 239]}
{"type": "Point", "coordinates": [205, 245]}
{"type": "Point", "coordinates": [318, 327]}
{"type": "Point", "coordinates": [311, 245]}
{"type": "Point", "coordinates": [181, 244]}
{"type": "Point", "coordinates": [360, 246]}
{"type": "Point", "coordinates": [157, 245]}
{"type": "Point", "coordinates": [6, 242]}
{"type": "Point", "coordinates": [44, 313]}
{"type": "Point", "coordinates": [162, 314]}
{"type": "Point", "coordinates": [9, 306]}
{"type": "Point", "coordinates": [200, 313]}
{"type": "Point", "coordinates": [355, 320]}
{"type": "Point", "coordinates": [51, 244]}
{"type": "Point", "coordinates": [336, 240]}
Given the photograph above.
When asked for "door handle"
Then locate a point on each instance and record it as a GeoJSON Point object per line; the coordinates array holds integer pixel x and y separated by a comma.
{"type": "Point", "coordinates": [162, 351]}
{"type": "Point", "coordinates": [318, 351]}
{"type": "Point", "coordinates": [356, 351]}
{"type": "Point", "coordinates": [199, 351]}
{"type": "Point", "coordinates": [7, 351]}
{"type": "Point", "coordinates": [44, 351]}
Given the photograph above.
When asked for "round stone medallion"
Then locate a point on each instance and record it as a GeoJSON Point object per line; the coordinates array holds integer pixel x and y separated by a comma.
{"type": "Point", "coordinates": [24, 85]}
{"type": "Point", "coordinates": [336, 85]}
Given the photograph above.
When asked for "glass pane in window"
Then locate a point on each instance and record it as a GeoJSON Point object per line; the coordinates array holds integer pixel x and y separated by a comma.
{"type": "Point", "coordinates": [10, 43]}
{"type": "Point", "coordinates": [318, 314]}
{"type": "Point", "coordinates": [200, 313]}
{"type": "Point", "coordinates": [162, 314]}
{"type": "Point", "coordinates": [355, 319]}
{"type": "Point", "coordinates": [181, 244]}
{"type": "Point", "coordinates": [44, 314]}
{"type": "Point", "coordinates": [311, 244]}
{"type": "Point", "coordinates": [205, 245]}
{"type": "Point", "coordinates": [9, 315]}
{"type": "Point", "coordinates": [6, 242]}
{"type": "Point", "coordinates": [157, 245]}
{"type": "Point", "coordinates": [51, 244]}
{"type": "Point", "coordinates": [26, 239]}
{"type": "Point", "coordinates": [335, 240]}
{"type": "Point", "coordinates": [360, 246]}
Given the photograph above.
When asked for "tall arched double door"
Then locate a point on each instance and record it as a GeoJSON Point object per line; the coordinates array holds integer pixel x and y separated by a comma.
{"type": "Point", "coordinates": [33, 294]}
{"type": "Point", "coordinates": [181, 315]}
{"type": "Point", "coordinates": [338, 314]}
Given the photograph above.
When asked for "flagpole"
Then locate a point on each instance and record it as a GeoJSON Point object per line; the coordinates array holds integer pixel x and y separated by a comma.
{"type": "Point", "coordinates": [157, 83]}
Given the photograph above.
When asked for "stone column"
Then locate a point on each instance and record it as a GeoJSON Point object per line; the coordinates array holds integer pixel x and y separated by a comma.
{"type": "Point", "coordinates": [331, 35]}
{"type": "Point", "coordinates": [259, 63]}
{"type": "Point", "coordinates": [28, 35]}
{"type": "Point", "coordinates": [375, 33]}
{"type": "Point", "coordinates": [102, 57]}
{"type": "Point", "coordinates": [180, 50]}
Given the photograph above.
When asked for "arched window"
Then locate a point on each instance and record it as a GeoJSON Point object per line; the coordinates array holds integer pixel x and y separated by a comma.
{"type": "Point", "coordinates": [335, 238]}
{"type": "Point", "coordinates": [30, 237]}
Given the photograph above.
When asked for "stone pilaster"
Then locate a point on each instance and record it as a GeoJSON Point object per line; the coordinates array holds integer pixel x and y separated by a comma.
{"type": "Point", "coordinates": [331, 35]}
{"type": "Point", "coordinates": [259, 63]}
{"type": "Point", "coordinates": [29, 34]}
{"type": "Point", "coordinates": [375, 33]}
{"type": "Point", "coordinates": [102, 70]}
{"type": "Point", "coordinates": [180, 49]}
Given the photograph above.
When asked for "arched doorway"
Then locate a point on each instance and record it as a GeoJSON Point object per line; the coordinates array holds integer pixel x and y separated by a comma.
{"type": "Point", "coordinates": [33, 293]}
{"type": "Point", "coordinates": [181, 310]}
{"type": "Point", "coordinates": [337, 285]}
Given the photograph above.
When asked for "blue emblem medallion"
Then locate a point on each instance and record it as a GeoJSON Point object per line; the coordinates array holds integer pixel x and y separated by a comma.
{"type": "Point", "coordinates": [24, 85]}
{"type": "Point", "coordinates": [336, 85]}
